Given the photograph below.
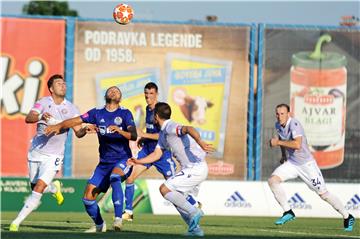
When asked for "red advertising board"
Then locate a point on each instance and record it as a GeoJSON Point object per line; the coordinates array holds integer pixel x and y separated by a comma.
{"type": "Point", "coordinates": [31, 51]}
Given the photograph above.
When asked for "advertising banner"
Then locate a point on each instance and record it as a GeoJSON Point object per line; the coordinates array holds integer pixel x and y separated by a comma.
{"type": "Point", "coordinates": [14, 192]}
{"type": "Point", "coordinates": [31, 51]}
{"type": "Point", "coordinates": [238, 198]}
{"type": "Point", "coordinates": [198, 90]}
{"type": "Point", "coordinates": [205, 81]}
{"type": "Point", "coordinates": [316, 72]}
{"type": "Point", "coordinates": [141, 202]}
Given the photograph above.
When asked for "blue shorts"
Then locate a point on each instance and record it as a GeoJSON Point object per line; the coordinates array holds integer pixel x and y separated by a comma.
{"type": "Point", "coordinates": [101, 175]}
{"type": "Point", "coordinates": [165, 165]}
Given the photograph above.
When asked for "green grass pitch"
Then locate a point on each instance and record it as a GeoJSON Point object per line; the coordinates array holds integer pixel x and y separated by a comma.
{"type": "Point", "coordinates": [71, 226]}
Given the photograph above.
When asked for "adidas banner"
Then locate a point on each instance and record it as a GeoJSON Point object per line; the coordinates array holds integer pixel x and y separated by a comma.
{"type": "Point", "coordinates": [237, 198]}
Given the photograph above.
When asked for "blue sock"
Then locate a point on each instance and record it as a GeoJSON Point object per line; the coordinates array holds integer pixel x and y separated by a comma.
{"type": "Point", "coordinates": [117, 194]}
{"type": "Point", "coordinates": [129, 196]}
{"type": "Point", "coordinates": [93, 210]}
{"type": "Point", "coordinates": [191, 200]}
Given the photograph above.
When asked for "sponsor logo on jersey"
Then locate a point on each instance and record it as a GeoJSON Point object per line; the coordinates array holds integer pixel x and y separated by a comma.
{"type": "Point", "coordinates": [237, 200]}
{"type": "Point", "coordinates": [102, 130]}
{"type": "Point", "coordinates": [297, 202]}
{"type": "Point", "coordinates": [149, 126]}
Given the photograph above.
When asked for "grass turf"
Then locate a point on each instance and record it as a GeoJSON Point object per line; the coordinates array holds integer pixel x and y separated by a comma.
{"type": "Point", "coordinates": [71, 225]}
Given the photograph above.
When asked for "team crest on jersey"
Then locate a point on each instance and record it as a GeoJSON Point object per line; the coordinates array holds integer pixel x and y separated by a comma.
{"type": "Point", "coordinates": [118, 120]}
{"type": "Point", "coordinates": [64, 111]}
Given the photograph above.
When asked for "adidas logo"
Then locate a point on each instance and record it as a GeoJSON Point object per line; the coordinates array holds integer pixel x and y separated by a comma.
{"type": "Point", "coordinates": [102, 121]}
{"type": "Point", "coordinates": [236, 200]}
{"type": "Point", "coordinates": [297, 202]}
{"type": "Point", "coordinates": [353, 203]}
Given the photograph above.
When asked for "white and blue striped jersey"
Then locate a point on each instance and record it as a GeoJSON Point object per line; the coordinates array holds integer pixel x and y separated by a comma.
{"type": "Point", "coordinates": [184, 148]}
{"type": "Point", "coordinates": [292, 130]}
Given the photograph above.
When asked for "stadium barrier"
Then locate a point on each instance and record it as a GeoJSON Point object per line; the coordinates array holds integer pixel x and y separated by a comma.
{"type": "Point", "coordinates": [237, 198]}
{"type": "Point", "coordinates": [223, 198]}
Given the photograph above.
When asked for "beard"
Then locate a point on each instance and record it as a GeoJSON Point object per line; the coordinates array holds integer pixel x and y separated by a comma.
{"type": "Point", "coordinates": [109, 100]}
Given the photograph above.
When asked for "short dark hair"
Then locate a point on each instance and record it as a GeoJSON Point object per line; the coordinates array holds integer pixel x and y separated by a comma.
{"type": "Point", "coordinates": [151, 85]}
{"type": "Point", "coordinates": [52, 79]}
{"type": "Point", "coordinates": [163, 110]}
{"type": "Point", "coordinates": [283, 105]}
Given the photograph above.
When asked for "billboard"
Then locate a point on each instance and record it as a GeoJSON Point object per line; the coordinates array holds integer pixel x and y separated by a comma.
{"type": "Point", "coordinates": [31, 51]}
{"type": "Point", "coordinates": [205, 81]}
{"type": "Point", "coordinates": [316, 72]}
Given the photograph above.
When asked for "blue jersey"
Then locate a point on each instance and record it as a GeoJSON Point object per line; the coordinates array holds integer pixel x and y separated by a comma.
{"type": "Point", "coordinates": [151, 128]}
{"type": "Point", "coordinates": [113, 147]}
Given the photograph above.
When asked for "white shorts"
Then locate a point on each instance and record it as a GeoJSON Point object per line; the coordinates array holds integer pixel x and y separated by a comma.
{"type": "Point", "coordinates": [309, 172]}
{"type": "Point", "coordinates": [43, 166]}
{"type": "Point", "coordinates": [188, 179]}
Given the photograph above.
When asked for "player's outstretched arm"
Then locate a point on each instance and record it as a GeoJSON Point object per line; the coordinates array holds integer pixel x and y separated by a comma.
{"type": "Point", "coordinates": [141, 134]}
{"type": "Point", "coordinates": [196, 136]}
{"type": "Point", "coordinates": [154, 156]}
{"type": "Point", "coordinates": [66, 124]}
{"type": "Point", "coordinates": [86, 129]}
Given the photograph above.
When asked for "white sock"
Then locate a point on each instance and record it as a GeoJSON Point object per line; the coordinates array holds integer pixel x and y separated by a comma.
{"type": "Point", "coordinates": [335, 203]}
{"type": "Point", "coordinates": [50, 188]}
{"type": "Point", "coordinates": [130, 212]}
{"type": "Point", "coordinates": [184, 215]}
{"type": "Point", "coordinates": [180, 201]}
{"type": "Point", "coordinates": [30, 205]}
{"type": "Point", "coordinates": [280, 195]}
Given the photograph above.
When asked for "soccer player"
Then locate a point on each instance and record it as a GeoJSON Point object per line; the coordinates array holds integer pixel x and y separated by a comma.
{"type": "Point", "coordinates": [190, 152]}
{"type": "Point", "coordinates": [165, 165]}
{"type": "Point", "coordinates": [300, 163]}
{"type": "Point", "coordinates": [46, 153]}
{"type": "Point", "coordinates": [115, 128]}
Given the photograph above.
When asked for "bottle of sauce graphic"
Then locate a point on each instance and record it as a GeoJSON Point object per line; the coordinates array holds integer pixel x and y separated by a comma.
{"type": "Point", "coordinates": [318, 101]}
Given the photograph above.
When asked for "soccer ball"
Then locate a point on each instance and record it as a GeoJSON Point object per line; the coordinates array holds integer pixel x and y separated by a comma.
{"type": "Point", "coordinates": [123, 13]}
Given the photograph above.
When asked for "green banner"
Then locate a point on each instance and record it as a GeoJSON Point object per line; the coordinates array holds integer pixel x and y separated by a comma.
{"type": "Point", "coordinates": [14, 192]}
{"type": "Point", "coordinates": [141, 203]}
